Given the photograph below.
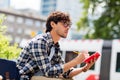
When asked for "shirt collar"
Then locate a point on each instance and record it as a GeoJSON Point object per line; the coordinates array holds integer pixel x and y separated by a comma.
{"type": "Point", "coordinates": [50, 40]}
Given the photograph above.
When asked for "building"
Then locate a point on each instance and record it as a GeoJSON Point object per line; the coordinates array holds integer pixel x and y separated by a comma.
{"type": "Point", "coordinates": [22, 26]}
{"type": "Point", "coordinates": [47, 6]}
{"type": "Point", "coordinates": [4, 3]}
{"type": "Point", "coordinates": [22, 22]}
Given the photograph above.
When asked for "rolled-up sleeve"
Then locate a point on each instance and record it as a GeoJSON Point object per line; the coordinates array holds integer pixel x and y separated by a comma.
{"type": "Point", "coordinates": [55, 70]}
{"type": "Point", "coordinates": [66, 74]}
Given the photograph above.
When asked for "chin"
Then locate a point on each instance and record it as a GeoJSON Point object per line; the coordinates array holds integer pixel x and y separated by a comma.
{"type": "Point", "coordinates": [64, 36]}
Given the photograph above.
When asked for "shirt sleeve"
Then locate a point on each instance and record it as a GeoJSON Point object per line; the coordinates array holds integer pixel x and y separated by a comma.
{"type": "Point", "coordinates": [39, 52]}
{"type": "Point", "coordinates": [65, 74]}
{"type": "Point", "coordinates": [25, 63]}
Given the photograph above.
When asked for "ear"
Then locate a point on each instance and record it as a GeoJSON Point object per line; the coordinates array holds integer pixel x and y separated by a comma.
{"type": "Point", "coordinates": [52, 24]}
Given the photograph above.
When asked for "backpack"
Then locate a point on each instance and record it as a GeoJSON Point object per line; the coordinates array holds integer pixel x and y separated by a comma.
{"type": "Point", "coordinates": [8, 70]}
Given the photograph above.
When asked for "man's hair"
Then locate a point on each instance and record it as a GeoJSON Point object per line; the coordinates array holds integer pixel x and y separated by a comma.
{"type": "Point", "coordinates": [57, 16]}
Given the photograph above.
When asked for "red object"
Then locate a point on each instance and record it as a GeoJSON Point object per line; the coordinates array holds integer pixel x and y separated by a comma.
{"type": "Point", "coordinates": [92, 77]}
{"type": "Point", "coordinates": [96, 54]}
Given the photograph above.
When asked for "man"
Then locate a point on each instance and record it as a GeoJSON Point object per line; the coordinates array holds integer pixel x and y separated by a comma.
{"type": "Point", "coordinates": [35, 57]}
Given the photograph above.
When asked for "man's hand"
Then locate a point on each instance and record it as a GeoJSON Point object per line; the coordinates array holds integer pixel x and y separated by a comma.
{"type": "Point", "coordinates": [88, 65]}
{"type": "Point", "coordinates": [81, 56]}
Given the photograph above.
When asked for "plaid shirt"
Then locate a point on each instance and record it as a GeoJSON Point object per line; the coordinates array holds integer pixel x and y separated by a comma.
{"type": "Point", "coordinates": [34, 58]}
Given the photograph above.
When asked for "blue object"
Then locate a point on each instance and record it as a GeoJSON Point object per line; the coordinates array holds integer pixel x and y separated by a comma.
{"type": "Point", "coordinates": [8, 70]}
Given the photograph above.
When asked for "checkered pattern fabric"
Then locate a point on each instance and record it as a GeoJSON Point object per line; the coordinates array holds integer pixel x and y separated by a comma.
{"type": "Point", "coordinates": [35, 57]}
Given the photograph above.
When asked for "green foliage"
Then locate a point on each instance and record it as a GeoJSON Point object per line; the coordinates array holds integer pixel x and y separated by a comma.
{"type": "Point", "coordinates": [84, 20]}
{"type": "Point", "coordinates": [107, 25]}
{"type": "Point", "coordinates": [2, 27]}
{"type": "Point", "coordinates": [7, 51]}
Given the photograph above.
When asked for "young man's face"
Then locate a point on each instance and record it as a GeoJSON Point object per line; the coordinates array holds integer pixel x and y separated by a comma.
{"type": "Point", "coordinates": [61, 29]}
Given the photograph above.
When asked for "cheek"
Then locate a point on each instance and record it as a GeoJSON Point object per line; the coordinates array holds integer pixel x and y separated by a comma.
{"type": "Point", "coordinates": [58, 29]}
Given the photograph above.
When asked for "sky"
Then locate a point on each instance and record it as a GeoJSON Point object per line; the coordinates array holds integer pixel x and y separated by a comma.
{"type": "Point", "coordinates": [21, 4]}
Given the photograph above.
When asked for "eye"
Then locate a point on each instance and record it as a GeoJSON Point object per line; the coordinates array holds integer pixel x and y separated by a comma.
{"type": "Point", "coordinates": [67, 24]}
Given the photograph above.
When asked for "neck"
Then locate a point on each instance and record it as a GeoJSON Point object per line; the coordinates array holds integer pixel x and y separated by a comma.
{"type": "Point", "coordinates": [55, 37]}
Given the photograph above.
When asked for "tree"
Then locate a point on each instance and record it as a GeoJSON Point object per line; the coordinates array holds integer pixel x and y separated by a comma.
{"type": "Point", "coordinates": [105, 25]}
{"type": "Point", "coordinates": [7, 51]}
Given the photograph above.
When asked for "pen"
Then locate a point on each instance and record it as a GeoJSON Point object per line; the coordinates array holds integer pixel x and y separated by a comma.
{"type": "Point", "coordinates": [76, 52]}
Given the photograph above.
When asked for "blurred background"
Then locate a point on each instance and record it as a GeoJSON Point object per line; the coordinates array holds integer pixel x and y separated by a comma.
{"type": "Point", "coordinates": [97, 19]}
{"type": "Point", "coordinates": [25, 19]}
{"type": "Point", "coordinates": [95, 23]}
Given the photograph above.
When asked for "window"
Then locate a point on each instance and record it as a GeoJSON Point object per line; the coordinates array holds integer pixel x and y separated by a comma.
{"type": "Point", "coordinates": [118, 62]}
{"type": "Point", "coordinates": [37, 24]}
{"type": "Point", "coordinates": [10, 18]}
{"type": "Point", "coordinates": [93, 67]}
{"type": "Point", "coordinates": [45, 1]}
{"type": "Point", "coordinates": [69, 56]}
{"type": "Point", "coordinates": [27, 32]}
{"type": "Point", "coordinates": [10, 29]}
{"type": "Point", "coordinates": [19, 20]}
{"type": "Point", "coordinates": [45, 6]}
{"type": "Point", "coordinates": [29, 22]}
{"type": "Point", "coordinates": [19, 30]}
